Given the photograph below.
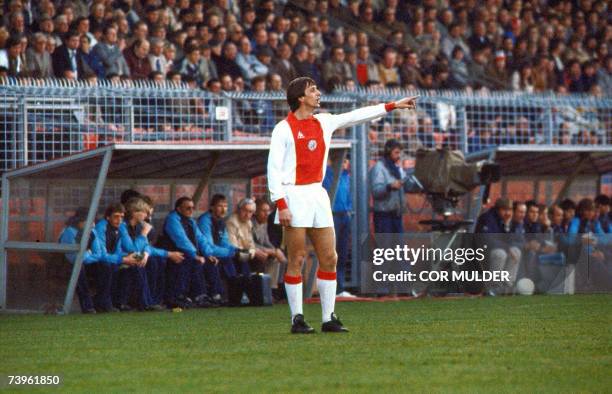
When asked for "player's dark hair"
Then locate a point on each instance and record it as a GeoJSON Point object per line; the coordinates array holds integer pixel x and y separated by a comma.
{"type": "Point", "coordinates": [181, 200]}
{"type": "Point", "coordinates": [128, 195]}
{"type": "Point", "coordinates": [297, 90]}
{"type": "Point", "coordinates": [586, 204]}
{"type": "Point", "coordinates": [216, 199]}
{"type": "Point", "coordinates": [602, 199]}
{"type": "Point", "coordinates": [567, 204]}
{"type": "Point", "coordinates": [114, 208]}
{"type": "Point", "coordinates": [517, 204]}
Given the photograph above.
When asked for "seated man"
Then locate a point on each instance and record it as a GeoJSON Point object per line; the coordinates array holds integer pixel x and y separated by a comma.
{"type": "Point", "coordinates": [71, 234]}
{"type": "Point", "coordinates": [275, 256]}
{"type": "Point", "coordinates": [186, 278]}
{"type": "Point", "coordinates": [240, 233]}
{"type": "Point", "coordinates": [134, 239]}
{"type": "Point", "coordinates": [212, 226]}
{"type": "Point", "coordinates": [493, 229]}
{"type": "Point", "coordinates": [107, 248]}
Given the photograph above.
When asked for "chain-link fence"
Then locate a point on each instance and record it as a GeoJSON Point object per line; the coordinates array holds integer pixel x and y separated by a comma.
{"type": "Point", "coordinates": [42, 120]}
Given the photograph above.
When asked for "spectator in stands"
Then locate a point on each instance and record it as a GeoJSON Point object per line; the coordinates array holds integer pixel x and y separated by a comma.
{"type": "Point", "coordinates": [137, 60]}
{"type": "Point", "coordinates": [604, 76]}
{"type": "Point", "coordinates": [263, 113]}
{"type": "Point", "coordinates": [499, 76]}
{"type": "Point", "coordinates": [226, 63]}
{"type": "Point", "coordinates": [11, 59]}
{"type": "Point", "coordinates": [523, 79]}
{"type": "Point", "coordinates": [110, 54]}
{"type": "Point", "coordinates": [82, 26]}
{"type": "Point", "coordinates": [366, 69]}
{"type": "Point", "coordinates": [157, 61]}
{"type": "Point", "coordinates": [336, 66]}
{"type": "Point", "coordinates": [493, 228]}
{"type": "Point", "coordinates": [186, 279]}
{"type": "Point", "coordinates": [342, 209]}
{"type": "Point", "coordinates": [455, 38]}
{"type": "Point", "coordinates": [38, 59]}
{"type": "Point", "coordinates": [275, 258]}
{"type": "Point", "coordinates": [248, 62]}
{"type": "Point", "coordinates": [69, 58]}
{"type": "Point", "coordinates": [90, 58]}
{"type": "Point", "coordinates": [71, 234]}
{"type": "Point", "coordinates": [192, 66]}
{"type": "Point", "coordinates": [387, 68]}
{"type": "Point", "coordinates": [281, 65]}
{"type": "Point", "coordinates": [459, 75]}
{"type": "Point", "coordinates": [300, 60]}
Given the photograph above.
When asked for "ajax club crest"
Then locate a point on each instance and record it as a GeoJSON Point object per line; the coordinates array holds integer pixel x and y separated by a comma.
{"type": "Point", "coordinates": [312, 145]}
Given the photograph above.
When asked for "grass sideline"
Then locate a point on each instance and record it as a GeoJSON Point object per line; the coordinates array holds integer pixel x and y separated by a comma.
{"type": "Point", "coordinates": [540, 343]}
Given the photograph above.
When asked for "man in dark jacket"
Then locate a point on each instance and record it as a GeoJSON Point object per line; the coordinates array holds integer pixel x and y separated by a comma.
{"type": "Point", "coordinates": [68, 58]}
{"type": "Point", "coordinates": [493, 230]}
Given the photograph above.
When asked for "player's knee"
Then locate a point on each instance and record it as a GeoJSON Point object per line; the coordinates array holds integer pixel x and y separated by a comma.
{"type": "Point", "coordinates": [297, 257]}
{"type": "Point", "coordinates": [328, 259]}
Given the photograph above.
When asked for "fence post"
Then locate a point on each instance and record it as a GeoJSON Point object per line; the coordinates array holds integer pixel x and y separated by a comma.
{"type": "Point", "coordinates": [463, 128]}
{"type": "Point", "coordinates": [549, 125]}
{"type": "Point", "coordinates": [24, 129]}
{"type": "Point", "coordinates": [130, 105]}
{"type": "Point", "coordinates": [228, 123]}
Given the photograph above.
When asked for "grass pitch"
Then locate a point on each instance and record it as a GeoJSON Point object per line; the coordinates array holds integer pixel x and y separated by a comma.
{"type": "Point", "coordinates": [519, 344]}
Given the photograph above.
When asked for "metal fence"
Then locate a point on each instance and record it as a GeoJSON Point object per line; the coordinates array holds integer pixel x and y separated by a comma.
{"type": "Point", "coordinates": [42, 120]}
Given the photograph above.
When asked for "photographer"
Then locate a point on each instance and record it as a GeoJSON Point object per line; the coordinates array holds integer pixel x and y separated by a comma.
{"type": "Point", "coordinates": [389, 183]}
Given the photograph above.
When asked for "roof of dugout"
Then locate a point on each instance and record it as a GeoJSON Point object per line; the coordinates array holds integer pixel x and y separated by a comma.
{"type": "Point", "coordinates": [161, 161]}
{"type": "Point", "coordinates": [539, 160]}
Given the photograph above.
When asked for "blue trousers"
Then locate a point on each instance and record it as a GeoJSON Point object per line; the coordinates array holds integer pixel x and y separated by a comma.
{"type": "Point", "coordinates": [156, 277]}
{"type": "Point", "coordinates": [388, 222]}
{"type": "Point", "coordinates": [130, 280]}
{"type": "Point", "coordinates": [342, 227]}
{"type": "Point", "coordinates": [105, 278]}
{"type": "Point", "coordinates": [82, 291]}
{"type": "Point", "coordinates": [185, 279]}
{"type": "Point", "coordinates": [228, 269]}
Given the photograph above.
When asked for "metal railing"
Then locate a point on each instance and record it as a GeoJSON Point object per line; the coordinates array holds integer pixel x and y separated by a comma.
{"type": "Point", "coordinates": [45, 119]}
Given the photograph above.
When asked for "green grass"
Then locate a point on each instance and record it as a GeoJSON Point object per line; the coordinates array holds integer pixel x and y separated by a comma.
{"type": "Point", "coordinates": [552, 344]}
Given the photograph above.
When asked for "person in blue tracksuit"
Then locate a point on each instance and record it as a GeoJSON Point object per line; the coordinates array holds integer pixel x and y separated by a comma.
{"type": "Point", "coordinates": [212, 226]}
{"type": "Point", "coordinates": [602, 205]}
{"type": "Point", "coordinates": [134, 239]}
{"type": "Point", "coordinates": [342, 210]}
{"type": "Point", "coordinates": [110, 256]}
{"type": "Point", "coordinates": [593, 240]}
{"type": "Point", "coordinates": [186, 279]}
{"type": "Point", "coordinates": [71, 234]}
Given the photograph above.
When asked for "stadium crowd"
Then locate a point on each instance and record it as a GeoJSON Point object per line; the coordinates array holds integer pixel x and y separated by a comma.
{"type": "Point", "coordinates": [522, 45]}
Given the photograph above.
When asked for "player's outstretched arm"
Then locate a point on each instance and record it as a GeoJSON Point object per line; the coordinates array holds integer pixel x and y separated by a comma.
{"type": "Point", "coordinates": [368, 113]}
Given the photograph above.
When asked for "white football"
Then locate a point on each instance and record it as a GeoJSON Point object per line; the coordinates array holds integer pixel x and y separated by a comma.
{"type": "Point", "coordinates": [525, 286]}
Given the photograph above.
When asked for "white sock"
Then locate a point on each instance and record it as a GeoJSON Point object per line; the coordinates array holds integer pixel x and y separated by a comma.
{"type": "Point", "coordinates": [326, 282]}
{"type": "Point", "coordinates": [293, 286]}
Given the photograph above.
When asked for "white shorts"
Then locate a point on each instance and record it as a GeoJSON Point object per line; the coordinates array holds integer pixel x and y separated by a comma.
{"type": "Point", "coordinates": [309, 206]}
